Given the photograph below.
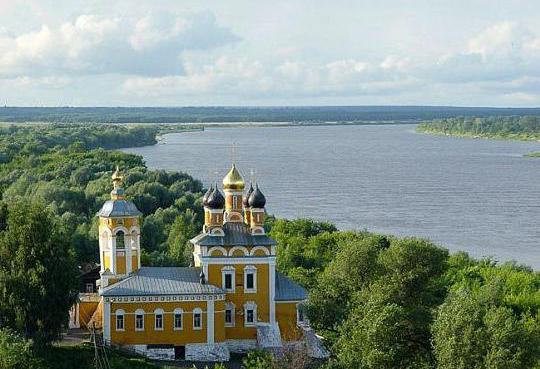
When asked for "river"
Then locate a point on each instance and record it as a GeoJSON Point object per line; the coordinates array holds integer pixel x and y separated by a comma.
{"type": "Point", "coordinates": [480, 196]}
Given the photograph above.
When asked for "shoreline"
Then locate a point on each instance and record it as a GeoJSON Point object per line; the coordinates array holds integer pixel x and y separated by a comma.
{"type": "Point", "coordinates": [515, 137]}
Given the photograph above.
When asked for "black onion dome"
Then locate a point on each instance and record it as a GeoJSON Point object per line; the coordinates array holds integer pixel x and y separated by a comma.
{"type": "Point", "coordinates": [215, 200]}
{"type": "Point", "coordinates": [207, 195]}
{"type": "Point", "coordinates": [246, 198]}
{"type": "Point", "coordinates": [257, 199]}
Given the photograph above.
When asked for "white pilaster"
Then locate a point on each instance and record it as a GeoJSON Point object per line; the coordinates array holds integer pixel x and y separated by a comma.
{"type": "Point", "coordinates": [113, 254]}
{"type": "Point", "coordinates": [138, 251]}
{"type": "Point", "coordinates": [128, 253]}
{"type": "Point", "coordinates": [102, 242]}
{"type": "Point", "coordinates": [205, 269]}
{"type": "Point", "coordinates": [272, 294]}
{"type": "Point", "coordinates": [210, 321]}
{"type": "Point", "coordinates": [106, 321]}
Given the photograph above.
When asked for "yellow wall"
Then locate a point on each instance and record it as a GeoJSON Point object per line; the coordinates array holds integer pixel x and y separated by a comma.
{"type": "Point", "coordinates": [286, 318]}
{"type": "Point", "coordinates": [168, 335]}
{"type": "Point", "coordinates": [239, 298]}
{"type": "Point", "coordinates": [120, 262]}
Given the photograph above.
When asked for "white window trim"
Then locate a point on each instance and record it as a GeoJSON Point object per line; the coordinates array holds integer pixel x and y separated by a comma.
{"type": "Point", "coordinates": [250, 269]}
{"type": "Point", "coordinates": [156, 313]}
{"type": "Point", "coordinates": [250, 305]}
{"type": "Point", "coordinates": [230, 306]}
{"type": "Point", "coordinates": [181, 312]}
{"type": "Point", "coordinates": [229, 269]}
{"type": "Point", "coordinates": [197, 311]}
{"type": "Point", "coordinates": [121, 313]}
{"type": "Point", "coordinates": [139, 312]}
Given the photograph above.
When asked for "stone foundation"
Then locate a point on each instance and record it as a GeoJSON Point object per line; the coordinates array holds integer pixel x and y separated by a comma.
{"type": "Point", "coordinates": [241, 346]}
{"type": "Point", "coordinates": [207, 352]}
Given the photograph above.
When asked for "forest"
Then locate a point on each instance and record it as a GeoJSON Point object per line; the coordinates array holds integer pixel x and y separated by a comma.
{"type": "Point", "coordinates": [192, 114]}
{"type": "Point", "coordinates": [379, 301]}
{"type": "Point", "coordinates": [525, 127]}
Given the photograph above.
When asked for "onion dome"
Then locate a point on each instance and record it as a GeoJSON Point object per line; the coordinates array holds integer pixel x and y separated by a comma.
{"type": "Point", "coordinates": [215, 200]}
{"type": "Point", "coordinates": [207, 194]}
{"type": "Point", "coordinates": [233, 180]}
{"type": "Point", "coordinates": [246, 198]}
{"type": "Point", "coordinates": [118, 192]}
{"type": "Point", "coordinates": [257, 199]}
{"type": "Point", "coordinates": [118, 206]}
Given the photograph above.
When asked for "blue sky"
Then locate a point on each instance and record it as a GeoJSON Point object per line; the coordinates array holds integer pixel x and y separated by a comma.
{"type": "Point", "coordinates": [293, 52]}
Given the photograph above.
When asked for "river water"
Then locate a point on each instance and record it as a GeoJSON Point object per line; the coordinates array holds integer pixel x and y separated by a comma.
{"type": "Point", "coordinates": [480, 196]}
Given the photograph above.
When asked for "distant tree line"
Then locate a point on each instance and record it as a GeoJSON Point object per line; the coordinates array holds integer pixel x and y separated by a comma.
{"type": "Point", "coordinates": [248, 114]}
{"type": "Point", "coordinates": [514, 127]}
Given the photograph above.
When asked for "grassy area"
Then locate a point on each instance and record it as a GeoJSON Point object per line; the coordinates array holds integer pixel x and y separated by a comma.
{"type": "Point", "coordinates": [535, 154]}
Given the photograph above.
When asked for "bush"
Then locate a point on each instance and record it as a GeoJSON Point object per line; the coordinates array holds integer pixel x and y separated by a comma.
{"type": "Point", "coordinates": [15, 352]}
{"type": "Point", "coordinates": [257, 359]}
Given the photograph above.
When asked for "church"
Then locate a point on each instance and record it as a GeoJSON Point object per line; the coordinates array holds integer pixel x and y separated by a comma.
{"type": "Point", "coordinates": [231, 301]}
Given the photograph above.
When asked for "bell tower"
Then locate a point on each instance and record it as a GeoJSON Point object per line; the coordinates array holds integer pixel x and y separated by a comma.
{"type": "Point", "coordinates": [119, 235]}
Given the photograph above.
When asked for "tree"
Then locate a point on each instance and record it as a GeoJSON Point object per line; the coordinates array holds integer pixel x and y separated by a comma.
{"type": "Point", "coordinates": [355, 265]}
{"type": "Point", "coordinates": [474, 330]}
{"type": "Point", "coordinates": [38, 276]}
{"type": "Point", "coordinates": [389, 304]}
{"type": "Point", "coordinates": [183, 229]}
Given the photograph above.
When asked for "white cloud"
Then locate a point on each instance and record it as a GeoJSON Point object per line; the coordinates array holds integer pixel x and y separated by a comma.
{"type": "Point", "coordinates": [151, 45]}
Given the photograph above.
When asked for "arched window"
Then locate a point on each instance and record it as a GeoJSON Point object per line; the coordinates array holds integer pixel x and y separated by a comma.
{"type": "Point", "coordinates": [119, 319]}
{"type": "Point", "coordinates": [229, 314]}
{"type": "Point", "coordinates": [227, 275]}
{"type": "Point", "coordinates": [120, 241]}
{"type": "Point", "coordinates": [139, 320]}
{"type": "Point", "coordinates": [250, 314]}
{"type": "Point", "coordinates": [158, 319]}
{"type": "Point", "coordinates": [178, 319]}
{"type": "Point", "coordinates": [197, 318]}
{"type": "Point", "coordinates": [250, 279]}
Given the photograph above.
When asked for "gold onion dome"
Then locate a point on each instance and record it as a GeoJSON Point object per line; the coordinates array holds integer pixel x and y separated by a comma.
{"type": "Point", "coordinates": [233, 180]}
{"type": "Point", "coordinates": [117, 178]}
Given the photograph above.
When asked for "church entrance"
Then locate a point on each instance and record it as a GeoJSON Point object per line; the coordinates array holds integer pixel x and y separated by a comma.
{"type": "Point", "coordinates": [179, 352]}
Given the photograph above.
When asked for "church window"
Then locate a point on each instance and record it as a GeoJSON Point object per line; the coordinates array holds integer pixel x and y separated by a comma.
{"type": "Point", "coordinates": [250, 279]}
{"type": "Point", "coordinates": [158, 319]}
{"type": "Point", "coordinates": [301, 315]}
{"type": "Point", "coordinates": [235, 202]}
{"type": "Point", "coordinates": [119, 320]}
{"type": "Point", "coordinates": [89, 288]}
{"type": "Point", "coordinates": [139, 320]}
{"type": "Point", "coordinates": [229, 314]}
{"type": "Point", "coordinates": [178, 319]}
{"type": "Point", "coordinates": [120, 242]}
{"type": "Point", "coordinates": [250, 314]}
{"type": "Point", "coordinates": [227, 274]}
{"type": "Point", "coordinates": [197, 318]}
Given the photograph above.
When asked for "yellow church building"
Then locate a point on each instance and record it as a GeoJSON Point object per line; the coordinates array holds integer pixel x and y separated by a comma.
{"type": "Point", "coordinates": [232, 300]}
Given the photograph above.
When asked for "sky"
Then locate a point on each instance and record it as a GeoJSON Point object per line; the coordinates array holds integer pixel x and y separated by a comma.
{"type": "Point", "coordinates": [277, 52]}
